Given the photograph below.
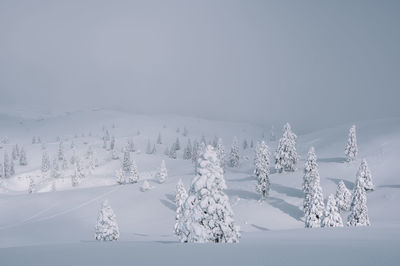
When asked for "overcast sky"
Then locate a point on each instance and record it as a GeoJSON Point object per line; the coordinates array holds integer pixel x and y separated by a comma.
{"type": "Point", "coordinates": [313, 63]}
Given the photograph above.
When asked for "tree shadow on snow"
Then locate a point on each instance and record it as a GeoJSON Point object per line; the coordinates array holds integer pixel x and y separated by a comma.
{"type": "Point", "coordinates": [391, 186]}
{"type": "Point", "coordinates": [244, 179]}
{"type": "Point", "coordinates": [349, 185]}
{"type": "Point", "coordinates": [287, 208]}
{"type": "Point", "coordinates": [332, 160]}
{"type": "Point", "coordinates": [288, 191]}
{"type": "Point", "coordinates": [242, 194]}
{"type": "Point", "coordinates": [170, 197]}
{"type": "Point", "coordinates": [260, 227]}
{"type": "Point", "coordinates": [168, 204]}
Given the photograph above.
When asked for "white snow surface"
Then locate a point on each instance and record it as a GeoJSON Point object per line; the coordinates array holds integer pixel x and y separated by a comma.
{"type": "Point", "coordinates": [48, 228]}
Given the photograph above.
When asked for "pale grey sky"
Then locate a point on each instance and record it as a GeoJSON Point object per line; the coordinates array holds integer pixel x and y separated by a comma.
{"type": "Point", "coordinates": [313, 63]}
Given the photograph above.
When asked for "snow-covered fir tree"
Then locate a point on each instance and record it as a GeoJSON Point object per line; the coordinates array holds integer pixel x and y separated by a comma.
{"type": "Point", "coordinates": [45, 163]}
{"type": "Point", "coordinates": [1, 171]}
{"type": "Point", "coordinates": [172, 151]}
{"type": "Point", "coordinates": [364, 174]}
{"type": "Point", "coordinates": [79, 172]}
{"type": "Point", "coordinates": [159, 138]}
{"type": "Point", "coordinates": [261, 169]}
{"type": "Point", "coordinates": [112, 143]}
{"type": "Point", "coordinates": [166, 151]}
{"type": "Point", "coordinates": [351, 149]}
{"type": "Point", "coordinates": [187, 152]}
{"type": "Point", "coordinates": [115, 152]}
{"type": "Point", "coordinates": [207, 214]}
{"type": "Point", "coordinates": [177, 144]}
{"type": "Point", "coordinates": [22, 157]}
{"type": "Point", "coordinates": [104, 144]}
{"type": "Point", "coordinates": [12, 168]}
{"type": "Point", "coordinates": [148, 148]}
{"type": "Point", "coordinates": [128, 170]}
{"type": "Point", "coordinates": [15, 152]}
{"type": "Point", "coordinates": [245, 144]}
{"type": "Point", "coordinates": [131, 146]}
{"type": "Point", "coordinates": [60, 152]}
{"type": "Point", "coordinates": [332, 217]}
{"type": "Point", "coordinates": [106, 228]}
{"type": "Point", "coordinates": [194, 151]}
{"type": "Point", "coordinates": [313, 198]}
{"type": "Point", "coordinates": [162, 173]}
{"type": "Point", "coordinates": [343, 197]}
{"type": "Point", "coordinates": [31, 187]}
{"type": "Point", "coordinates": [286, 155]}
{"type": "Point", "coordinates": [234, 154]}
{"type": "Point", "coordinates": [200, 150]}
{"type": "Point", "coordinates": [252, 144]}
{"type": "Point", "coordinates": [203, 139]}
{"type": "Point", "coordinates": [185, 132]}
{"type": "Point", "coordinates": [6, 165]}
{"type": "Point", "coordinates": [180, 197]}
{"type": "Point", "coordinates": [220, 150]}
{"type": "Point", "coordinates": [55, 169]}
{"type": "Point", "coordinates": [120, 177]}
{"type": "Point", "coordinates": [145, 186]}
{"type": "Point", "coordinates": [358, 208]}
{"type": "Point", "coordinates": [154, 150]}
{"type": "Point", "coordinates": [215, 142]}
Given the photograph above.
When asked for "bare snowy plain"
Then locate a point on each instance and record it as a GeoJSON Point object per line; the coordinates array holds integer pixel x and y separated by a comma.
{"type": "Point", "coordinates": [51, 227]}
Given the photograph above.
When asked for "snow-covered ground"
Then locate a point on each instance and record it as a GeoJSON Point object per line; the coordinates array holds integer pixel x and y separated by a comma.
{"type": "Point", "coordinates": [57, 227]}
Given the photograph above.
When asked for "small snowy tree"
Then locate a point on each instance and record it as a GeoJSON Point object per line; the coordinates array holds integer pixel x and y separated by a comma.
{"type": "Point", "coordinates": [351, 149]}
{"type": "Point", "coordinates": [6, 165]}
{"type": "Point", "coordinates": [234, 154]}
{"type": "Point", "coordinates": [332, 217]}
{"type": "Point", "coordinates": [133, 175]}
{"type": "Point", "coordinates": [194, 151]}
{"type": "Point", "coordinates": [112, 143]}
{"type": "Point", "coordinates": [162, 173]}
{"type": "Point", "coordinates": [358, 209]}
{"type": "Point", "coordinates": [106, 228]}
{"type": "Point", "coordinates": [55, 169]}
{"type": "Point", "coordinates": [207, 214]}
{"type": "Point", "coordinates": [131, 146]}
{"type": "Point", "coordinates": [22, 157]}
{"type": "Point", "coordinates": [313, 201]}
{"type": "Point", "coordinates": [145, 186]}
{"type": "Point", "coordinates": [342, 197]}
{"type": "Point", "coordinates": [177, 144]}
{"type": "Point", "coordinates": [120, 177]}
{"type": "Point", "coordinates": [12, 168]}
{"type": "Point", "coordinates": [286, 154]}
{"type": "Point", "coordinates": [187, 152]}
{"type": "Point", "coordinates": [60, 153]}
{"type": "Point", "coordinates": [185, 132]}
{"type": "Point", "coordinates": [364, 175]}
{"type": "Point", "coordinates": [245, 144]}
{"type": "Point", "coordinates": [180, 198]}
{"type": "Point", "coordinates": [114, 152]}
{"type": "Point", "coordinates": [172, 151]}
{"type": "Point", "coordinates": [261, 169]}
{"type": "Point", "coordinates": [15, 152]}
{"type": "Point", "coordinates": [45, 163]}
{"type": "Point", "coordinates": [31, 188]}
{"type": "Point", "coordinates": [220, 150]}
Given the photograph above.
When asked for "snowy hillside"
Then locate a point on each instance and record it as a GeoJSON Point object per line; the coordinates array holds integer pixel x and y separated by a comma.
{"type": "Point", "coordinates": [58, 218]}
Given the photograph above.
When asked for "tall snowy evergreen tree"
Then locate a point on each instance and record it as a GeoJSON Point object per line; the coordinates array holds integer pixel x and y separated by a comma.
{"type": "Point", "coordinates": [313, 201]}
{"type": "Point", "coordinates": [351, 149]}
{"type": "Point", "coordinates": [332, 217]}
{"type": "Point", "coordinates": [261, 169]}
{"type": "Point", "coordinates": [364, 174]}
{"type": "Point", "coordinates": [112, 143]}
{"type": "Point", "coordinates": [185, 132]}
{"type": "Point", "coordinates": [60, 153]}
{"type": "Point", "coordinates": [245, 144]}
{"type": "Point", "coordinates": [114, 152]}
{"type": "Point", "coordinates": [234, 154]}
{"type": "Point", "coordinates": [12, 168]}
{"type": "Point", "coordinates": [22, 157]}
{"type": "Point", "coordinates": [106, 228]}
{"type": "Point", "coordinates": [207, 214]}
{"type": "Point", "coordinates": [172, 151]}
{"type": "Point", "coordinates": [195, 151]}
{"type": "Point", "coordinates": [55, 169]}
{"type": "Point", "coordinates": [180, 197]}
{"type": "Point", "coordinates": [286, 154]}
{"type": "Point", "coordinates": [162, 173]}
{"type": "Point", "coordinates": [15, 152]}
{"type": "Point", "coordinates": [177, 144]}
{"type": "Point", "coordinates": [159, 139]}
{"type": "Point", "coordinates": [343, 197]}
{"type": "Point", "coordinates": [32, 187]}
{"type": "Point", "coordinates": [358, 209]}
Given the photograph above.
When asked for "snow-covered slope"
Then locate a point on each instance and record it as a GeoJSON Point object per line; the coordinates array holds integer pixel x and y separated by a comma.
{"type": "Point", "coordinates": [272, 230]}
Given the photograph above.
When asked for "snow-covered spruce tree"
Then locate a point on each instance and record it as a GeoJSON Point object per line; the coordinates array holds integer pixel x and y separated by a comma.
{"type": "Point", "coordinates": [22, 157]}
{"type": "Point", "coordinates": [1, 171]}
{"type": "Point", "coordinates": [162, 173]}
{"type": "Point", "coordinates": [203, 139]}
{"type": "Point", "coordinates": [45, 163]}
{"type": "Point", "coordinates": [166, 151]}
{"type": "Point", "coordinates": [75, 178]}
{"type": "Point", "coordinates": [343, 197]}
{"type": "Point", "coordinates": [200, 150]}
{"type": "Point", "coordinates": [358, 209]}
{"type": "Point", "coordinates": [177, 144]}
{"type": "Point", "coordinates": [194, 151]}
{"type": "Point", "coordinates": [187, 152]}
{"type": "Point", "coordinates": [261, 169]}
{"type": "Point", "coordinates": [252, 144]}
{"type": "Point", "coordinates": [234, 154]}
{"type": "Point", "coordinates": [15, 152]}
{"type": "Point", "coordinates": [6, 165]}
{"type": "Point", "coordinates": [180, 197]}
{"type": "Point", "coordinates": [104, 144]}
{"type": "Point", "coordinates": [159, 139]}
{"type": "Point", "coordinates": [79, 172]}
{"type": "Point", "coordinates": [112, 143]}
{"type": "Point", "coordinates": [154, 150]}
{"type": "Point", "coordinates": [60, 153]}
{"type": "Point", "coordinates": [351, 149]}
{"type": "Point", "coordinates": [313, 198]}
{"type": "Point", "coordinates": [286, 155]}
{"type": "Point", "coordinates": [31, 188]}
{"type": "Point", "coordinates": [133, 175]}
{"type": "Point", "coordinates": [207, 214]}
{"type": "Point", "coordinates": [364, 174]}
{"type": "Point", "coordinates": [185, 132]}
{"type": "Point", "coordinates": [245, 144]}
{"type": "Point", "coordinates": [220, 150]}
{"type": "Point", "coordinates": [120, 177]}
{"type": "Point", "coordinates": [145, 186]}
{"type": "Point", "coordinates": [12, 168]}
{"type": "Point", "coordinates": [172, 151]}
{"type": "Point", "coordinates": [131, 146]}
{"type": "Point", "coordinates": [332, 217]}
{"type": "Point", "coordinates": [106, 228]}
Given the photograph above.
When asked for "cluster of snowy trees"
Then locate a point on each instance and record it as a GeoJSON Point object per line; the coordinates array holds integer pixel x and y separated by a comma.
{"type": "Point", "coordinates": [317, 215]}
{"type": "Point", "coordinates": [7, 167]}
